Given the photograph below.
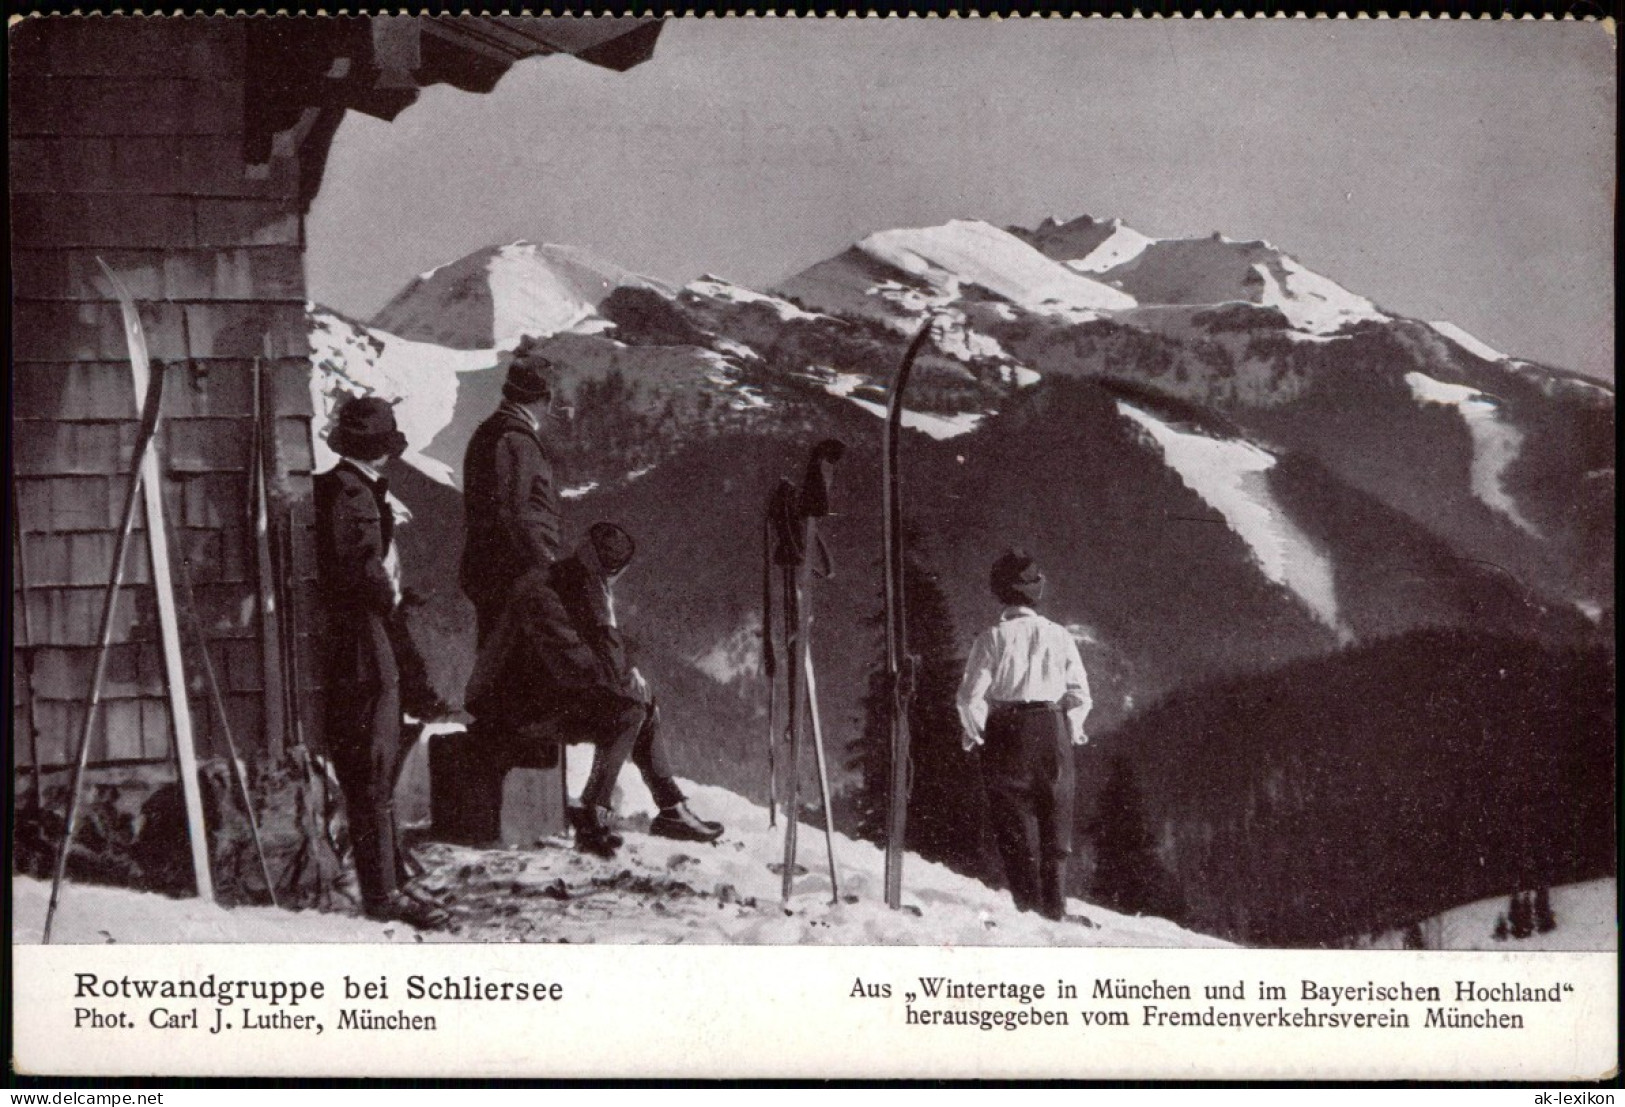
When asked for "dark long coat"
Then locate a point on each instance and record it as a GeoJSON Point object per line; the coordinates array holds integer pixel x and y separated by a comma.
{"type": "Point", "coordinates": [555, 644]}
{"type": "Point", "coordinates": [354, 529]}
{"type": "Point", "coordinates": [510, 506]}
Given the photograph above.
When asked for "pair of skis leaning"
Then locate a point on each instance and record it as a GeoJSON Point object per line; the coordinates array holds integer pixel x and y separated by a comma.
{"type": "Point", "coordinates": [143, 490]}
{"type": "Point", "coordinates": [789, 538]}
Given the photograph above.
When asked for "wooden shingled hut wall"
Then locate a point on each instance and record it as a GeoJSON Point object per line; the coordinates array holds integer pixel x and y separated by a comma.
{"type": "Point", "coordinates": [184, 153]}
{"type": "Point", "coordinates": [128, 144]}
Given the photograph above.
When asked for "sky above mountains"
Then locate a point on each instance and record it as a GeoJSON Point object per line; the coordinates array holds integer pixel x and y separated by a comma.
{"type": "Point", "coordinates": [1457, 171]}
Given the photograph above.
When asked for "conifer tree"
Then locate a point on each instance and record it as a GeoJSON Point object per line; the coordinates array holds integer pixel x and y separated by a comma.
{"type": "Point", "coordinates": [1545, 921]}
{"type": "Point", "coordinates": [946, 807]}
{"type": "Point", "coordinates": [1126, 864]}
{"type": "Point", "coordinates": [1520, 916]}
{"type": "Point", "coordinates": [1500, 934]}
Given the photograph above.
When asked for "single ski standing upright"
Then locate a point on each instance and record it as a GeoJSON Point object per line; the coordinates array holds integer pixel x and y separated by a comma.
{"type": "Point", "coordinates": [899, 665]}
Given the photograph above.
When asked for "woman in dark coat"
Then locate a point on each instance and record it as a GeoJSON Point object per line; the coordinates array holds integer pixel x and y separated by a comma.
{"type": "Point", "coordinates": [354, 534]}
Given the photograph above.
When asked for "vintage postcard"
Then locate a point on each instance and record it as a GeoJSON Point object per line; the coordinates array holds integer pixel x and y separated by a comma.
{"type": "Point", "coordinates": [762, 547]}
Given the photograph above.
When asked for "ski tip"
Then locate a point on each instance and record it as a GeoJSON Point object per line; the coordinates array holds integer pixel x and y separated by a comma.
{"type": "Point", "coordinates": [120, 289]}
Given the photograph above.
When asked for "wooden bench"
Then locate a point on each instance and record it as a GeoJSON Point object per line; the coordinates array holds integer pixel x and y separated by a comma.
{"type": "Point", "coordinates": [496, 790]}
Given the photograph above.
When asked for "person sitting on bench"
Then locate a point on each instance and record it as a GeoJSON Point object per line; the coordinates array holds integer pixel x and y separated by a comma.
{"type": "Point", "coordinates": [556, 669]}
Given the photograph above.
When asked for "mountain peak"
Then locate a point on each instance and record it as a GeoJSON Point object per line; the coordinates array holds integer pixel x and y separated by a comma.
{"type": "Point", "coordinates": [488, 299]}
{"type": "Point", "coordinates": [1085, 244]}
{"type": "Point", "coordinates": [896, 275]}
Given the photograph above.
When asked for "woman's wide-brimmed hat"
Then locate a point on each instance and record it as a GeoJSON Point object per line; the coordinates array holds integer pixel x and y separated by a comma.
{"type": "Point", "coordinates": [365, 430]}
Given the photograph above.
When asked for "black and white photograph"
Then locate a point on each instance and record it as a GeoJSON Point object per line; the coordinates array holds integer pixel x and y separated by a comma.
{"type": "Point", "coordinates": [760, 482]}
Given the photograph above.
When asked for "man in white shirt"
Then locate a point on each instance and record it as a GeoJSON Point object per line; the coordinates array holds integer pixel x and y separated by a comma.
{"type": "Point", "coordinates": [1023, 702]}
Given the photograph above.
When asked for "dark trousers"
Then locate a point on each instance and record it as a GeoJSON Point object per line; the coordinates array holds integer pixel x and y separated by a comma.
{"type": "Point", "coordinates": [365, 743]}
{"type": "Point", "coordinates": [619, 729]}
{"type": "Point", "coordinates": [1028, 772]}
{"type": "Point", "coordinates": [489, 604]}
{"type": "Point", "coordinates": [416, 692]}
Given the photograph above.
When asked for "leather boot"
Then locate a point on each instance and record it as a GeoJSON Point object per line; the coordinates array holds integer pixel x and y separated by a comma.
{"type": "Point", "coordinates": [595, 830]}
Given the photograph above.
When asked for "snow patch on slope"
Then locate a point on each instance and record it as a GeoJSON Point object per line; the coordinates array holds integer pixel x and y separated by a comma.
{"type": "Point", "coordinates": [838, 384]}
{"type": "Point", "coordinates": [418, 378]}
{"type": "Point", "coordinates": [1310, 301]}
{"type": "Point", "coordinates": [1124, 244]}
{"type": "Point", "coordinates": [1586, 916]}
{"type": "Point", "coordinates": [966, 252]}
{"type": "Point", "coordinates": [735, 657]}
{"type": "Point", "coordinates": [937, 426]}
{"type": "Point", "coordinates": [1469, 342]}
{"type": "Point", "coordinates": [1496, 442]}
{"type": "Point", "coordinates": [528, 296]}
{"type": "Point", "coordinates": [716, 288]}
{"type": "Point", "coordinates": [1019, 375]}
{"type": "Point", "coordinates": [1229, 475]}
{"type": "Point", "coordinates": [724, 376]}
{"type": "Point", "coordinates": [951, 331]}
{"type": "Point", "coordinates": [733, 348]}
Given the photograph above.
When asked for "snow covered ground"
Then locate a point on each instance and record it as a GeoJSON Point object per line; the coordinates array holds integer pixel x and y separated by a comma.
{"type": "Point", "coordinates": [1310, 301]}
{"type": "Point", "coordinates": [489, 299]}
{"type": "Point", "coordinates": [937, 426]}
{"type": "Point", "coordinates": [715, 288]}
{"type": "Point", "coordinates": [655, 891]}
{"type": "Point", "coordinates": [529, 296]}
{"type": "Point", "coordinates": [1496, 442]}
{"type": "Point", "coordinates": [1229, 475]}
{"type": "Point", "coordinates": [419, 378]}
{"type": "Point", "coordinates": [1122, 246]}
{"type": "Point", "coordinates": [1587, 919]}
{"type": "Point", "coordinates": [1467, 341]}
{"type": "Point", "coordinates": [965, 252]}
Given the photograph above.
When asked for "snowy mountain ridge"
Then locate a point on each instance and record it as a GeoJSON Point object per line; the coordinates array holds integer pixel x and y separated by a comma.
{"type": "Point", "coordinates": [1228, 463]}
{"type": "Point", "coordinates": [1292, 364]}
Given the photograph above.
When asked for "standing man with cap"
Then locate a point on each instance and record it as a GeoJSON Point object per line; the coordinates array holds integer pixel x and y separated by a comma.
{"type": "Point", "coordinates": [555, 669]}
{"type": "Point", "coordinates": [510, 496]}
{"type": "Point", "coordinates": [359, 577]}
{"type": "Point", "coordinates": [1023, 700]}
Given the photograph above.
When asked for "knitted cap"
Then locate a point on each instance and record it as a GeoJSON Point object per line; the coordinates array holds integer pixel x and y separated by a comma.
{"type": "Point", "coordinates": [1016, 578]}
{"type": "Point", "coordinates": [528, 374]}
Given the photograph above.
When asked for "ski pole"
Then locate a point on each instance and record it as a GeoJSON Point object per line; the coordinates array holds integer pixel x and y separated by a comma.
{"type": "Point", "coordinates": [38, 769]}
{"type": "Point", "coordinates": [770, 667]}
{"type": "Point", "coordinates": [104, 637]}
{"type": "Point", "coordinates": [288, 613]}
{"type": "Point", "coordinates": [823, 778]}
{"type": "Point", "coordinates": [792, 703]}
{"type": "Point", "coordinates": [772, 757]}
{"type": "Point", "coordinates": [225, 721]}
{"type": "Point", "coordinates": [268, 609]}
